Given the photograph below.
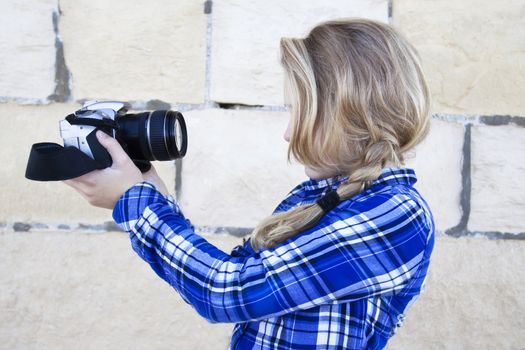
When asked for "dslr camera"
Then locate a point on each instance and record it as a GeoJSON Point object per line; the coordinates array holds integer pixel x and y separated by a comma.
{"type": "Point", "coordinates": [154, 135]}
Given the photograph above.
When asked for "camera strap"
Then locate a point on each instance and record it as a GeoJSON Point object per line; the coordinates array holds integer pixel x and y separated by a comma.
{"type": "Point", "coordinates": [53, 162]}
{"type": "Point", "coordinates": [329, 201]}
{"type": "Point", "coordinates": [101, 123]}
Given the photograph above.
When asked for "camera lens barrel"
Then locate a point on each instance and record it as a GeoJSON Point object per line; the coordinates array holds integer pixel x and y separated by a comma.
{"type": "Point", "coordinates": [162, 135]}
{"type": "Point", "coordinates": [155, 135]}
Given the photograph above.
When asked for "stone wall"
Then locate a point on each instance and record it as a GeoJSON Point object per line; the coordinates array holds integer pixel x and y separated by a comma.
{"type": "Point", "coordinates": [68, 280]}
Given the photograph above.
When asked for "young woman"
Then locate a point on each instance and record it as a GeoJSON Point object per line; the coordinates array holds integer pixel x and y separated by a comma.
{"type": "Point", "coordinates": [346, 253]}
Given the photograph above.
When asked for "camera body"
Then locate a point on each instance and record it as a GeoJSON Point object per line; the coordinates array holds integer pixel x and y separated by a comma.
{"type": "Point", "coordinates": [147, 136]}
{"type": "Point", "coordinates": [76, 134]}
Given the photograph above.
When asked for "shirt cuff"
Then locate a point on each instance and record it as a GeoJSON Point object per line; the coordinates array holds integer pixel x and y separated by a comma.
{"type": "Point", "coordinates": [135, 200]}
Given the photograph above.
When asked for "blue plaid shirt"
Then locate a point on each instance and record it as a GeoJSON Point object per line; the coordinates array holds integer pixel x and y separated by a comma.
{"type": "Point", "coordinates": [344, 284]}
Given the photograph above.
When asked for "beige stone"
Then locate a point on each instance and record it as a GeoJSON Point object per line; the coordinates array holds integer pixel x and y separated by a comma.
{"type": "Point", "coordinates": [235, 171]}
{"type": "Point", "coordinates": [224, 184]}
{"type": "Point", "coordinates": [437, 162]}
{"type": "Point", "coordinates": [472, 52]}
{"type": "Point", "coordinates": [27, 50]}
{"type": "Point", "coordinates": [245, 64]}
{"type": "Point", "coordinates": [473, 300]}
{"type": "Point", "coordinates": [90, 291]}
{"type": "Point", "coordinates": [497, 199]}
{"type": "Point", "coordinates": [43, 202]}
{"type": "Point", "coordinates": [135, 50]}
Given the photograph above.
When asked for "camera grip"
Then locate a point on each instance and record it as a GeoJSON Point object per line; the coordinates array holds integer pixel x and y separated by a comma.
{"type": "Point", "coordinates": [143, 165]}
{"type": "Point", "coordinates": [104, 159]}
{"type": "Point", "coordinates": [100, 154]}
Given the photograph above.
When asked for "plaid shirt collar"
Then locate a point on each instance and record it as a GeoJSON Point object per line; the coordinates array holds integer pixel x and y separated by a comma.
{"type": "Point", "coordinates": [310, 190]}
{"type": "Point", "coordinates": [388, 176]}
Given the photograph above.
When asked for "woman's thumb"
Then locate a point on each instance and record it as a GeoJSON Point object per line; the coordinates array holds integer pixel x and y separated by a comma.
{"type": "Point", "coordinates": [113, 147]}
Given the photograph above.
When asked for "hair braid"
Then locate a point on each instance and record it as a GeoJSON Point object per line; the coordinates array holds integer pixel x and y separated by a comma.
{"type": "Point", "coordinates": [278, 228]}
{"type": "Point", "coordinates": [374, 159]}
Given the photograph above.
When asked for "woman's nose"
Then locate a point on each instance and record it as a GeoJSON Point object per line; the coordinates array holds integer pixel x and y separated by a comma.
{"type": "Point", "coordinates": [286, 135]}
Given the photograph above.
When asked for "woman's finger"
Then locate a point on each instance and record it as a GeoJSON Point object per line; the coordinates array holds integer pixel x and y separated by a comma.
{"type": "Point", "coordinates": [114, 149]}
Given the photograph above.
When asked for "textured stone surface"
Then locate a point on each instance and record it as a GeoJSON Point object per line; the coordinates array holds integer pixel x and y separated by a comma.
{"type": "Point", "coordinates": [235, 171]}
{"type": "Point", "coordinates": [437, 162]}
{"type": "Point", "coordinates": [90, 291]}
{"type": "Point", "coordinates": [472, 52]}
{"type": "Point", "coordinates": [497, 202]}
{"type": "Point", "coordinates": [43, 202]}
{"type": "Point", "coordinates": [245, 64]}
{"type": "Point", "coordinates": [27, 49]}
{"type": "Point", "coordinates": [474, 298]}
{"type": "Point", "coordinates": [135, 50]}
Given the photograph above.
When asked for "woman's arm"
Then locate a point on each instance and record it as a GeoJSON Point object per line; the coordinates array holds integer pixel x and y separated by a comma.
{"type": "Point", "coordinates": [359, 254]}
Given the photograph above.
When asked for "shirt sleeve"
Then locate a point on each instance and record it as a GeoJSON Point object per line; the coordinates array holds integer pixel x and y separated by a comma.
{"type": "Point", "coordinates": [347, 258]}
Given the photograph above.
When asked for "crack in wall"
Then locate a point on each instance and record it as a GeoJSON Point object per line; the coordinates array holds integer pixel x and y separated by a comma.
{"type": "Point", "coordinates": [62, 91]}
{"type": "Point", "coordinates": [496, 120]}
{"type": "Point", "coordinates": [208, 5]}
{"type": "Point", "coordinates": [466, 186]}
{"type": "Point", "coordinates": [474, 119]}
{"type": "Point", "coordinates": [178, 179]}
{"type": "Point", "coordinates": [110, 226]}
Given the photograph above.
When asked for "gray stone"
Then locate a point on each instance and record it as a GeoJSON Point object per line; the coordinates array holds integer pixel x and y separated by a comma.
{"type": "Point", "coordinates": [21, 227]}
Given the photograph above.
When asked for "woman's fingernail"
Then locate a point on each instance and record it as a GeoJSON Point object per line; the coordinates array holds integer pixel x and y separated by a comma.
{"type": "Point", "coordinates": [102, 134]}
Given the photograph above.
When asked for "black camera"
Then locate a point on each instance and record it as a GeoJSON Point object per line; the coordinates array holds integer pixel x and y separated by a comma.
{"type": "Point", "coordinates": [147, 136]}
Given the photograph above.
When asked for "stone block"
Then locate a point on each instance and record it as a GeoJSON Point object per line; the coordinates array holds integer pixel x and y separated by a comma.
{"type": "Point", "coordinates": [91, 291]}
{"type": "Point", "coordinates": [473, 298]}
{"type": "Point", "coordinates": [471, 51]}
{"type": "Point", "coordinates": [44, 202]}
{"type": "Point", "coordinates": [245, 64]}
{"type": "Point", "coordinates": [27, 50]}
{"type": "Point", "coordinates": [235, 171]}
{"type": "Point", "coordinates": [497, 200]}
{"type": "Point", "coordinates": [124, 50]}
{"type": "Point", "coordinates": [437, 162]}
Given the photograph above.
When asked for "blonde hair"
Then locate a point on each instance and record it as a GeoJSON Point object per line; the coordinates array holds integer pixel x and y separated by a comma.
{"type": "Point", "coordinates": [358, 100]}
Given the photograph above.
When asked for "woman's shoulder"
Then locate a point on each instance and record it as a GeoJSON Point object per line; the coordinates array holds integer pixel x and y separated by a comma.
{"type": "Point", "coordinates": [393, 211]}
{"type": "Point", "coordinates": [393, 192]}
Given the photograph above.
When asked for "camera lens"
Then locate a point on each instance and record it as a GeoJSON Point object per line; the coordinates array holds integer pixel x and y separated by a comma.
{"type": "Point", "coordinates": [156, 135]}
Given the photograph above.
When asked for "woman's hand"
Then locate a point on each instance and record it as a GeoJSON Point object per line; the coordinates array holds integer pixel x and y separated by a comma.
{"type": "Point", "coordinates": [102, 188]}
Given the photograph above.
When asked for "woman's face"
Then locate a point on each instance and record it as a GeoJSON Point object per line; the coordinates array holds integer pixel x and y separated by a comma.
{"type": "Point", "coordinates": [311, 173]}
